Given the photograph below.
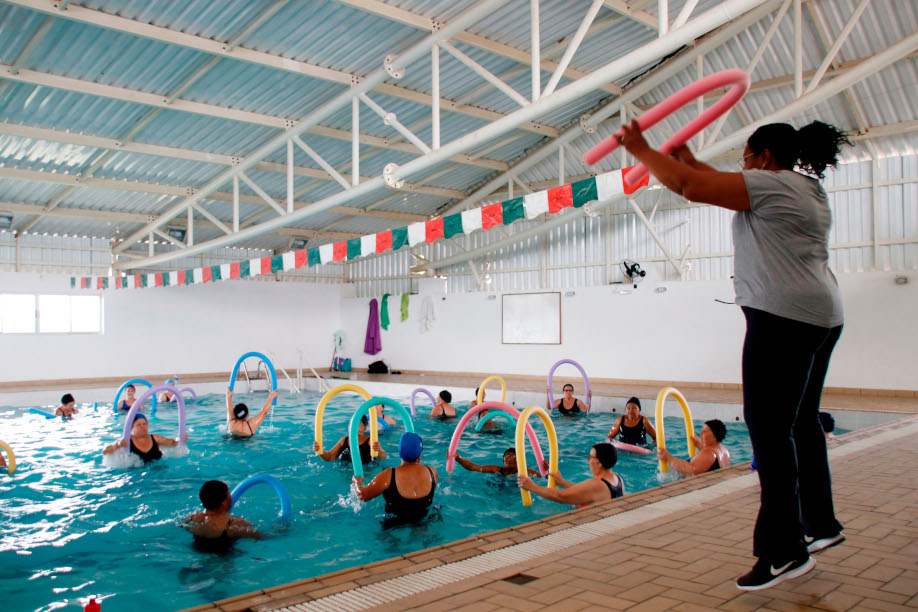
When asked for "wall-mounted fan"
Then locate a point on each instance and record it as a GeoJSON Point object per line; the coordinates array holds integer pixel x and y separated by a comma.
{"type": "Point", "coordinates": [632, 272]}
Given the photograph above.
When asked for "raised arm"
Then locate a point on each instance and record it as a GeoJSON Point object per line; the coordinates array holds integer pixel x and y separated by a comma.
{"type": "Point", "coordinates": [474, 467]}
{"type": "Point", "coordinates": [684, 154]}
{"type": "Point", "coordinates": [229, 405]}
{"type": "Point", "coordinates": [259, 418]}
{"type": "Point", "coordinates": [376, 486]}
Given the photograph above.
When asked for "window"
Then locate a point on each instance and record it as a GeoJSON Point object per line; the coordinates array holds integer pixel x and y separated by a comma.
{"type": "Point", "coordinates": [17, 314]}
{"type": "Point", "coordinates": [54, 314]}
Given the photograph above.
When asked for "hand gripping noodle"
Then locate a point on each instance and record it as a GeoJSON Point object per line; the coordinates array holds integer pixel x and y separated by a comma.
{"type": "Point", "coordinates": [736, 78]}
{"type": "Point", "coordinates": [271, 481]}
{"type": "Point", "coordinates": [151, 392]}
{"type": "Point", "coordinates": [369, 406]}
{"type": "Point", "coordinates": [320, 412]}
{"type": "Point", "coordinates": [433, 400]}
{"type": "Point", "coordinates": [133, 381]}
{"type": "Point", "coordinates": [10, 457]}
{"type": "Point", "coordinates": [658, 422]}
{"type": "Point", "coordinates": [510, 410]}
{"type": "Point", "coordinates": [521, 448]}
{"type": "Point", "coordinates": [268, 364]}
{"type": "Point", "coordinates": [551, 373]}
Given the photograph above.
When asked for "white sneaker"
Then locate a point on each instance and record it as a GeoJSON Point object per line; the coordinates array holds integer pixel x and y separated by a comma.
{"type": "Point", "coordinates": [814, 546]}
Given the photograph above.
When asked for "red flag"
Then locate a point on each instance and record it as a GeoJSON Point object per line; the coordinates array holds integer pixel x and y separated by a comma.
{"type": "Point", "coordinates": [300, 258]}
{"type": "Point", "coordinates": [137, 282]}
{"type": "Point", "coordinates": [206, 274]}
{"type": "Point", "coordinates": [340, 250]}
{"type": "Point", "coordinates": [158, 279]}
{"type": "Point", "coordinates": [266, 265]}
{"type": "Point", "coordinates": [433, 229]}
{"type": "Point", "coordinates": [629, 189]}
{"type": "Point", "coordinates": [99, 283]}
{"type": "Point", "coordinates": [492, 215]}
{"type": "Point", "coordinates": [181, 277]}
{"type": "Point", "coordinates": [234, 270]}
{"type": "Point", "coordinates": [560, 197]}
{"type": "Point", "coordinates": [383, 241]}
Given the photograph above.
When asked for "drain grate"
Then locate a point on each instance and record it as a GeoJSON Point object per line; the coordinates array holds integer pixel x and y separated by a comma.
{"type": "Point", "coordinates": [519, 579]}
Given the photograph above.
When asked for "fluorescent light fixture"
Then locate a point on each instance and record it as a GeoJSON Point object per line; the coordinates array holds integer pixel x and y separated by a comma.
{"type": "Point", "coordinates": [6, 220]}
{"type": "Point", "coordinates": [298, 244]}
{"type": "Point", "coordinates": [177, 233]}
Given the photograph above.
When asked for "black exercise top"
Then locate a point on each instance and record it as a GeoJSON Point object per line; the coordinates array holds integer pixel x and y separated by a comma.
{"type": "Point", "coordinates": [632, 435]}
{"type": "Point", "coordinates": [151, 455]}
{"type": "Point", "coordinates": [574, 410]}
{"type": "Point", "coordinates": [363, 448]}
{"type": "Point", "coordinates": [220, 544]}
{"type": "Point", "coordinates": [617, 490]}
{"type": "Point", "coordinates": [715, 465]}
{"type": "Point", "coordinates": [405, 508]}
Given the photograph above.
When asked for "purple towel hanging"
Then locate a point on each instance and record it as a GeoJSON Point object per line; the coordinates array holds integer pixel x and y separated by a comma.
{"type": "Point", "coordinates": [373, 343]}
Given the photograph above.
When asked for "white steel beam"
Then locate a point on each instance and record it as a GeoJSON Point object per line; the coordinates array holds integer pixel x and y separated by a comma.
{"type": "Point", "coordinates": [435, 94]}
{"type": "Point", "coordinates": [839, 40]}
{"type": "Point", "coordinates": [262, 194]}
{"type": "Point", "coordinates": [189, 228]}
{"type": "Point", "coordinates": [211, 110]}
{"type": "Point", "coordinates": [798, 48]}
{"type": "Point", "coordinates": [290, 191]}
{"type": "Point", "coordinates": [326, 110]}
{"type": "Point", "coordinates": [704, 23]}
{"type": "Point", "coordinates": [535, 48]}
{"type": "Point", "coordinates": [319, 160]}
{"type": "Point", "coordinates": [572, 46]}
{"type": "Point", "coordinates": [220, 224]}
{"type": "Point", "coordinates": [30, 46]}
{"type": "Point", "coordinates": [235, 204]}
{"type": "Point", "coordinates": [685, 13]}
{"type": "Point", "coordinates": [485, 74]}
{"type": "Point", "coordinates": [663, 17]}
{"type": "Point", "coordinates": [623, 8]}
{"type": "Point", "coordinates": [391, 120]}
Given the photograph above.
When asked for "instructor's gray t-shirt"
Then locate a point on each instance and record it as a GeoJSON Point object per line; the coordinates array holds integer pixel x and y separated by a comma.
{"type": "Point", "coordinates": [782, 252]}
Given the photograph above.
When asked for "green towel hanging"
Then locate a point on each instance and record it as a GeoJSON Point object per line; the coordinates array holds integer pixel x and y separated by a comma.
{"type": "Point", "coordinates": [405, 305]}
{"type": "Point", "coordinates": [384, 313]}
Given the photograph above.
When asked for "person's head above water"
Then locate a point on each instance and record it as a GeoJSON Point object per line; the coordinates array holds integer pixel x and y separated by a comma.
{"type": "Point", "coordinates": [717, 428]}
{"type": "Point", "coordinates": [67, 399]}
{"type": "Point", "coordinates": [446, 396]}
{"type": "Point", "coordinates": [140, 426]}
{"type": "Point", "coordinates": [604, 454]}
{"type": "Point", "coordinates": [827, 421]}
{"type": "Point", "coordinates": [214, 494]}
{"type": "Point", "coordinates": [410, 447]}
{"type": "Point", "coordinates": [510, 458]}
{"type": "Point", "coordinates": [131, 389]}
{"type": "Point", "coordinates": [633, 407]}
{"type": "Point", "coordinates": [780, 146]}
{"type": "Point", "coordinates": [240, 411]}
{"type": "Point", "coordinates": [567, 387]}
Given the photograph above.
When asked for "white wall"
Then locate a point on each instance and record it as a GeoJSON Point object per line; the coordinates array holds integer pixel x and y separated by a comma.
{"type": "Point", "coordinates": [681, 334]}
{"type": "Point", "coordinates": [175, 330]}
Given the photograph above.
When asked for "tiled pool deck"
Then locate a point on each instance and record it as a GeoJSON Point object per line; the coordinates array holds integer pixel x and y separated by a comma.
{"type": "Point", "coordinates": [679, 546]}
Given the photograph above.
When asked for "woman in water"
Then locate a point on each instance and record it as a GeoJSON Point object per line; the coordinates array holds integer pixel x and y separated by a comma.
{"type": "Point", "coordinates": [142, 443]}
{"type": "Point", "coordinates": [215, 529]}
{"type": "Point", "coordinates": [604, 485]}
{"type": "Point", "coordinates": [236, 423]}
{"type": "Point", "coordinates": [342, 449]}
{"type": "Point", "coordinates": [408, 489]}
{"type": "Point", "coordinates": [794, 317]}
{"type": "Point", "coordinates": [712, 456]}
{"type": "Point", "coordinates": [128, 402]}
{"type": "Point", "coordinates": [632, 428]}
{"type": "Point", "coordinates": [507, 469]}
{"type": "Point", "coordinates": [568, 404]}
{"type": "Point", "coordinates": [443, 410]}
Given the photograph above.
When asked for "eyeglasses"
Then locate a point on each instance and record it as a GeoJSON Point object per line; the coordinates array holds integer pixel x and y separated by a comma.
{"type": "Point", "coordinates": [742, 161]}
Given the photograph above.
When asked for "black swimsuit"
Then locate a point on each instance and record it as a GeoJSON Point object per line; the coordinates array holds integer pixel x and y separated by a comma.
{"type": "Point", "coordinates": [633, 435]}
{"type": "Point", "coordinates": [566, 411]}
{"type": "Point", "coordinates": [405, 509]}
{"type": "Point", "coordinates": [151, 455]}
{"type": "Point", "coordinates": [363, 449]}
{"type": "Point", "coordinates": [715, 465]}
{"type": "Point", "coordinates": [220, 544]}
{"type": "Point", "coordinates": [616, 491]}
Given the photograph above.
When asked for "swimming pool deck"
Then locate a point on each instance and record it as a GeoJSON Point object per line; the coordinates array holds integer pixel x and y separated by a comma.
{"type": "Point", "coordinates": [679, 546]}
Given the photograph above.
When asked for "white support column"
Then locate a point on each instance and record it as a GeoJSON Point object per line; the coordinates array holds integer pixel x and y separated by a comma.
{"type": "Point", "coordinates": [319, 160]}
{"type": "Point", "coordinates": [355, 141]}
{"type": "Point", "coordinates": [699, 74]}
{"type": "Point", "coordinates": [685, 13]}
{"type": "Point", "coordinates": [839, 40]}
{"type": "Point", "coordinates": [573, 46]}
{"type": "Point", "coordinates": [535, 42]}
{"type": "Point", "coordinates": [189, 228]}
{"type": "Point", "coordinates": [390, 119]}
{"type": "Point", "coordinates": [150, 243]}
{"type": "Point", "coordinates": [510, 187]}
{"type": "Point", "coordinates": [210, 217]}
{"type": "Point", "coordinates": [235, 203]}
{"type": "Point", "coordinates": [289, 176]}
{"type": "Point", "coordinates": [561, 152]}
{"type": "Point", "coordinates": [262, 194]}
{"type": "Point", "coordinates": [435, 95]}
{"type": "Point", "coordinates": [798, 48]}
{"type": "Point", "coordinates": [663, 17]}
{"type": "Point", "coordinates": [623, 114]}
{"type": "Point", "coordinates": [484, 73]}
{"type": "Point", "coordinates": [875, 202]}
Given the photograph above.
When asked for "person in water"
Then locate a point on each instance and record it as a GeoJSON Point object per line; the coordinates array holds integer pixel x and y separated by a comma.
{"type": "Point", "coordinates": [383, 420]}
{"type": "Point", "coordinates": [489, 425]}
{"type": "Point", "coordinates": [568, 404]}
{"type": "Point", "coordinates": [507, 469]}
{"type": "Point", "coordinates": [168, 396]}
{"type": "Point", "coordinates": [408, 489]}
{"type": "Point", "coordinates": [604, 485]}
{"type": "Point", "coordinates": [712, 456]}
{"type": "Point", "coordinates": [67, 408]}
{"type": "Point", "coordinates": [142, 443]}
{"type": "Point", "coordinates": [633, 427]}
{"type": "Point", "coordinates": [342, 449]}
{"type": "Point", "coordinates": [215, 529]}
{"type": "Point", "coordinates": [236, 423]}
{"type": "Point", "coordinates": [128, 402]}
{"type": "Point", "coordinates": [443, 410]}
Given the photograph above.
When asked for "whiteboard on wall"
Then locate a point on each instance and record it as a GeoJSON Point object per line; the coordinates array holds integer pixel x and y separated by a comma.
{"type": "Point", "coordinates": [531, 318]}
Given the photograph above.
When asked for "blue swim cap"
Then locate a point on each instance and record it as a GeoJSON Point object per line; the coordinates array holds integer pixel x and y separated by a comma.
{"type": "Point", "coordinates": [139, 415]}
{"type": "Point", "coordinates": [410, 446]}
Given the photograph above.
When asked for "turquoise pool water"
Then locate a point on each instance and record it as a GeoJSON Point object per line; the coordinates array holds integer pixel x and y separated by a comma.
{"type": "Point", "coordinates": [72, 526]}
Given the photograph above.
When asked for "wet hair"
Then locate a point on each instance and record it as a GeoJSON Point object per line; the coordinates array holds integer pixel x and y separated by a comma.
{"type": "Point", "coordinates": [717, 428]}
{"type": "Point", "coordinates": [509, 450]}
{"type": "Point", "coordinates": [364, 420]}
{"type": "Point", "coordinates": [827, 421]}
{"type": "Point", "coordinates": [812, 148]}
{"type": "Point", "coordinates": [564, 388]}
{"type": "Point", "coordinates": [446, 396]}
{"type": "Point", "coordinates": [213, 493]}
{"type": "Point", "coordinates": [67, 398]}
{"type": "Point", "coordinates": [606, 454]}
{"type": "Point", "coordinates": [240, 411]}
{"type": "Point", "coordinates": [130, 387]}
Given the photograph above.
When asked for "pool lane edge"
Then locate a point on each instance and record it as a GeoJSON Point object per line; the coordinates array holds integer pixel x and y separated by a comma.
{"type": "Point", "coordinates": [445, 566]}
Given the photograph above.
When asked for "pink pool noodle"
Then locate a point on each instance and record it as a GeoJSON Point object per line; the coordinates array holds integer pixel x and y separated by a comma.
{"type": "Point", "coordinates": [460, 427]}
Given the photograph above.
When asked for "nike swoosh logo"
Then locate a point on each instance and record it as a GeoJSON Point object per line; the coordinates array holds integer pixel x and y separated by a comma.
{"type": "Point", "coordinates": [777, 571]}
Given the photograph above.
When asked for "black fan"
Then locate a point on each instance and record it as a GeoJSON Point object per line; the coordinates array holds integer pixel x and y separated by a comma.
{"type": "Point", "coordinates": [632, 271]}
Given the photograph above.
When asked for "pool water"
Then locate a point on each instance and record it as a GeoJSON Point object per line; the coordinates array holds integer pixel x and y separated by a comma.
{"type": "Point", "coordinates": [74, 527]}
